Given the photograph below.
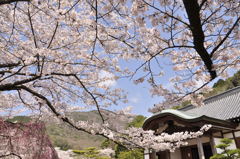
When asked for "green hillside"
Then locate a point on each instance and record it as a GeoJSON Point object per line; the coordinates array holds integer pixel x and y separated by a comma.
{"type": "Point", "coordinates": [66, 137]}
{"type": "Point", "coordinates": [224, 85]}
{"type": "Point", "coordinates": [218, 87]}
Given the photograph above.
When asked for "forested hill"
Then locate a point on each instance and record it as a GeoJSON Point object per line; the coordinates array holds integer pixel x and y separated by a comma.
{"type": "Point", "coordinates": [218, 87]}
{"type": "Point", "coordinates": [223, 85]}
{"type": "Point", "coordinates": [65, 137]}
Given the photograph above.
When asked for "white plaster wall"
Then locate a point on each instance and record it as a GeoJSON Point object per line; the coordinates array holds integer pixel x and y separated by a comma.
{"type": "Point", "coordinates": [217, 141]}
{"type": "Point", "coordinates": [146, 154]}
{"type": "Point", "coordinates": [176, 154]}
{"type": "Point", "coordinates": [237, 134]}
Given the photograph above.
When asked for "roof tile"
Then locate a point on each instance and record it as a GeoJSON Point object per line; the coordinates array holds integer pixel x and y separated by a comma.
{"type": "Point", "coordinates": [223, 106]}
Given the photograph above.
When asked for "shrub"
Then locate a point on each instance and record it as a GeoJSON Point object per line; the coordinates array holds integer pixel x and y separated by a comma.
{"type": "Point", "coordinates": [226, 153]}
{"type": "Point", "coordinates": [62, 144]}
{"type": "Point", "coordinates": [90, 152]}
{"type": "Point", "coordinates": [133, 154]}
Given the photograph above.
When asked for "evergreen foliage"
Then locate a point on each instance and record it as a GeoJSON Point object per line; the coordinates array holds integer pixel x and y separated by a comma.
{"type": "Point", "coordinates": [62, 144]}
{"type": "Point", "coordinates": [133, 154]}
{"type": "Point", "coordinates": [118, 149]}
{"type": "Point", "coordinates": [121, 152]}
{"type": "Point", "coordinates": [137, 121]}
{"type": "Point", "coordinates": [219, 87]}
{"type": "Point", "coordinates": [224, 85]}
{"type": "Point", "coordinates": [20, 119]}
{"type": "Point", "coordinates": [107, 144]}
{"type": "Point", "coordinates": [90, 153]}
{"type": "Point", "coordinates": [226, 152]}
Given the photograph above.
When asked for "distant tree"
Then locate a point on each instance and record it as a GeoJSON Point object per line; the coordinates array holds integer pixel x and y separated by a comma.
{"type": "Point", "coordinates": [133, 154]}
{"type": "Point", "coordinates": [90, 153]}
{"type": "Point", "coordinates": [21, 140]}
{"type": "Point", "coordinates": [107, 144]}
{"type": "Point", "coordinates": [226, 152]}
{"type": "Point", "coordinates": [219, 83]}
{"type": "Point", "coordinates": [123, 153]}
{"type": "Point", "coordinates": [62, 144]}
{"type": "Point", "coordinates": [137, 121]}
{"type": "Point", "coordinates": [20, 119]}
{"type": "Point", "coordinates": [236, 79]}
{"type": "Point", "coordinates": [118, 149]}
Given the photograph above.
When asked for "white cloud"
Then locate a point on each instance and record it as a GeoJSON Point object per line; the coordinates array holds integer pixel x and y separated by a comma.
{"type": "Point", "coordinates": [134, 100]}
{"type": "Point", "coordinates": [107, 79]}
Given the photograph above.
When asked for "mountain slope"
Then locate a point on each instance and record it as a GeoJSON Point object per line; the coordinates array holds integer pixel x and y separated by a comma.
{"type": "Point", "coordinates": [66, 137]}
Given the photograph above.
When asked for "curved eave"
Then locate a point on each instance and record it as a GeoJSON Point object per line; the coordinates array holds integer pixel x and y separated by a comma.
{"type": "Point", "coordinates": [190, 119]}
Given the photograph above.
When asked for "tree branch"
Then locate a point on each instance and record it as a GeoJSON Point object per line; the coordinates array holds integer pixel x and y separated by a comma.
{"type": "Point", "coordinates": [85, 89]}
{"type": "Point", "coordinates": [11, 154]}
{"type": "Point", "coordinates": [54, 111]}
{"type": "Point", "coordinates": [54, 33]}
{"type": "Point", "coordinates": [10, 86]}
{"type": "Point", "coordinates": [2, 2]}
{"type": "Point", "coordinates": [226, 36]}
{"type": "Point", "coordinates": [3, 65]}
{"type": "Point", "coordinates": [192, 8]}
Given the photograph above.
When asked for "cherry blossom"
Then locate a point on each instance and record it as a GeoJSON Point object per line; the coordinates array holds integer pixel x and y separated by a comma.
{"type": "Point", "coordinates": [54, 54]}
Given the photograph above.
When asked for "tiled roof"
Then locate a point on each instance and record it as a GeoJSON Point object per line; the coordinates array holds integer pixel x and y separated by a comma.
{"type": "Point", "coordinates": [223, 106]}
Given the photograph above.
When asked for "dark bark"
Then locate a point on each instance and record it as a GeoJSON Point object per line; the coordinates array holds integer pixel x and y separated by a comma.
{"type": "Point", "coordinates": [12, 1]}
{"type": "Point", "coordinates": [192, 8]}
{"type": "Point", "coordinates": [3, 65]}
{"type": "Point", "coordinates": [11, 86]}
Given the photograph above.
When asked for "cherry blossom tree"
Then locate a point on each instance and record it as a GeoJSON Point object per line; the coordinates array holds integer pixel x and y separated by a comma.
{"type": "Point", "coordinates": [54, 54]}
{"type": "Point", "coordinates": [25, 141]}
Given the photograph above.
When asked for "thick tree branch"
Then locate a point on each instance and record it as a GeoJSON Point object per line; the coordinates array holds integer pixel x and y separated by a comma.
{"type": "Point", "coordinates": [54, 111]}
{"type": "Point", "coordinates": [12, 1]}
{"type": "Point", "coordinates": [4, 65]}
{"type": "Point", "coordinates": [202, 3]}
{"type": "Point", "coordinates": [192, 8]}
{"type": "Point", "coordinates": [10, 86]}
{"type": "Point", "coordinates": [11, 154]}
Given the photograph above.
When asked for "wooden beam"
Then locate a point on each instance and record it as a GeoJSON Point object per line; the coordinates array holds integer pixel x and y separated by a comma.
{"type": "Point", "coordinates": [222, 134]}
{"type": "Point", "coordinates": [235, 140]}
{"type": "Point", "coordinates": [236, 130]}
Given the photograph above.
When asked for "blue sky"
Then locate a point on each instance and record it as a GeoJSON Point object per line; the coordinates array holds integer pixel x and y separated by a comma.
{"type": "Point", "coordinates": [139, 96]}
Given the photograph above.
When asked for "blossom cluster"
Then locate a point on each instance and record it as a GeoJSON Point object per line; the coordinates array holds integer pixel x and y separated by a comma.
{"type": "Point", "coordinates": [139, 138]}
